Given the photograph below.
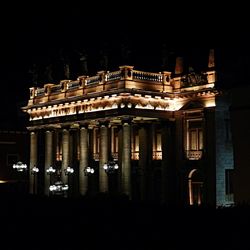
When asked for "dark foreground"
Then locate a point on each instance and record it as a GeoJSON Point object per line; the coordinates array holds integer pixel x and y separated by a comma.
{"type": "Point", "coordinates": [104, 222]}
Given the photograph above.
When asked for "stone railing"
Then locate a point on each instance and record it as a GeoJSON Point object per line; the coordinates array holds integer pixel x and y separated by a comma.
{"type": "Point", "coordinates": [193, 154]}
{"type": "Point", "coordinates": [112, 76]}
{"type": "Point", "coordinates": [40, 92]}
{"type": "Point", "coordinates": [157, 155]}
{"type": "Point", "coordinates": [147, 76]}
{"type": "Point", "coordinates": [102, 77]}
{"type": "Point", "coordinates": [56, 89]}
{"type": "Point", "coordinates": [73, 85]}
{"type": "Point", "coordinates": [93, 80]}
{"type": "Point", "coordinates": [125, 77]}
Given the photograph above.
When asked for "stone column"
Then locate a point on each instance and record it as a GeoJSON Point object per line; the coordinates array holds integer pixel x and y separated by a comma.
{"type": "Point", "coordinates": [103, 178]}
{"type": "Point", "coordinates": [33, 161]}
{"type": "Point", "coordinates": [180, 161]}
{"type": "Point", "coordinates": [126, 160]}
{"type": "Point", "coordinates": [143, 154]}
{"type": "Point", "coordinates": [48, 159]}
{"type": "Point", "coordinates": [120, 152]}
{"type": "Point", "coordinates": [65, 155]}
{"type": "Point", "coordinates": [168, 164]}
{"type": "Point", "coordinates": [83, 179]}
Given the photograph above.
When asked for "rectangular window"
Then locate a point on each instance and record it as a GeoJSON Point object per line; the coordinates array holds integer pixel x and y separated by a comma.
{"type": "Point", "coordinates": [135, 145]}
{"type": "Point", "coordinates": [194, 135]}
{"type": "Point", "coordinates": [157, 145]}
{"type": "Point", "coordinates": [96, 141]}
{"type": "Point", "coordinates": [158, 141]}
{"type": "Point", "coordinates": [58, 146]}
{"type": "Point", "coordinates": [114, 142]}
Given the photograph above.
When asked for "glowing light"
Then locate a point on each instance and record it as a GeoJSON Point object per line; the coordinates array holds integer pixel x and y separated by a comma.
{"type": "Point", "coordinates": [110, 167]}
{"type": "Point", "coordinates": [50, 170]}
{"type": "Point", "coordinates": [69, 170]}
{"type": "Point", "coordinates": [58, 188]}
{"type": "Point", "coordinates": [34, 170]}
{"type": "Point", "coordinates": [89, 171]}
{"type": "Point", "coordinates": [20, 167]}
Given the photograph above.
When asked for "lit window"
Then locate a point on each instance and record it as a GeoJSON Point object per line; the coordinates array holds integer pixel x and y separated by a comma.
{"type": "Point", "coordinates": [194, 135]}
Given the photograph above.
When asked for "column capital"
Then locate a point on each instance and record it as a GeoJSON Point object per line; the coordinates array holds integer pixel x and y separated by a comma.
{"type": "Point", "coordinates": [67, 127]}
{"type": "Point", "coordinates": [127, 120]}
{"type": "Point", "coordinates": [48, 130]}
{"type": "Point", "coordinates": [104, 123]}
{"type": "Point", "coordinates": [84, 125]}
{"type": "Point", "coordinates": [32, 130]}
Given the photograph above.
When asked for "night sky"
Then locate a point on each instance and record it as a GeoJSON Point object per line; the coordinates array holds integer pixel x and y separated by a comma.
{"type": "Point", "coordinates": [40, 33]}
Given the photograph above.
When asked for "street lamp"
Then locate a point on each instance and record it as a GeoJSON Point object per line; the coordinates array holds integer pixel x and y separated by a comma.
{"type": "Point", "coordinates": [34, 172]}
{"type": "Point", "coordinates": [20, 167]}
{"type": "Point", "coordinates": [58, 188]}
{"type": "Point", "coordinates": [110, 167]}
{"type": "Point", "coordinates": [69, 171]}
{"type": "Point", "coordinates": [50, 170]}
{"type": "Point", "coordinates": [88, 171]}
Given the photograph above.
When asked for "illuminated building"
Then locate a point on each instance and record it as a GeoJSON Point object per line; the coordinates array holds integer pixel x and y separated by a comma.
{"type": "Point", "coordinates": [160, 128]}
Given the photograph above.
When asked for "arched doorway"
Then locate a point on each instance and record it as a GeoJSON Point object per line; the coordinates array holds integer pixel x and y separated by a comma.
{"type": "Point", "coordinates": [195, 187]}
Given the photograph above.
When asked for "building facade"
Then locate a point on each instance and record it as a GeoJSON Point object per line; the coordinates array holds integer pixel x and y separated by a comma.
{"type": "Point", "coordinates": [158, 129]}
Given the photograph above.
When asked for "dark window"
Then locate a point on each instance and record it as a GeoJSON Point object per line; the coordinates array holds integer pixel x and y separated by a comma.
{"type": "Point", "coordinates": [229, 181]}
{"type": "Point", "coordinates": [228, 130]}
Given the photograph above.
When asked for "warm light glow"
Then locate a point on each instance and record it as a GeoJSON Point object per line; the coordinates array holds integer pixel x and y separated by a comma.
{"type": "Point", "coordinates": [210, 103]}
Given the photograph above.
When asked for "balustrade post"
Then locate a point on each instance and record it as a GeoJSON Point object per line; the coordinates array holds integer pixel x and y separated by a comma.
{"type": "Point", "coordinates": [126, 72]}
{"type": "Point", "coordinates": [166, 82]}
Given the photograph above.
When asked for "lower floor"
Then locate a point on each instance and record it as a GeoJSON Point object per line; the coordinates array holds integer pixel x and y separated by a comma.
{"type": "Point", "coordinates": [142, 158]}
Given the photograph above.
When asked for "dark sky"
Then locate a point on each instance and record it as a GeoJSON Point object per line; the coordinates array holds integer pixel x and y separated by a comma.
{"type": "Point", "coordinates": [36, 33]}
